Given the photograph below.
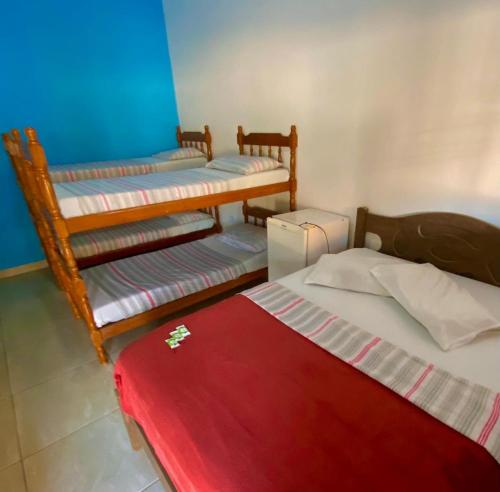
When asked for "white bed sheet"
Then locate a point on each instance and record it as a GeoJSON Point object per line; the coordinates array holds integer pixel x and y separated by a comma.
{"type": "Point", "coordinates": [479, 361]}
{"type": "Point", "coordinates": [87, 197]}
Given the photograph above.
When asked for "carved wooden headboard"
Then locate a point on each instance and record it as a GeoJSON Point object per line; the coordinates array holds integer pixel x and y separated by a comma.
{"type": "Point", "coordinates": [452, 242]}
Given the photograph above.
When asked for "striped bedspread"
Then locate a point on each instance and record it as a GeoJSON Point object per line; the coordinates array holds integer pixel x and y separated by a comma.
{"type": "Point", "coordinates": [95, 196]}
{"type": "Point", "coordinates": [122, 167]}
{"type": "Point", "coordinates": [124, 288]}
{"type": "Point", "coordinates": [100, 241]}
{"type": "Point", "coordinates": [101, 169]}
{"type": "Point", "coordinates": [470, 409]}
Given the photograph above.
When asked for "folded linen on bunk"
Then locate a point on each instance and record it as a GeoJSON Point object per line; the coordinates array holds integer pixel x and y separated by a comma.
{"type": "Point", "coordinates": [102, 195]}
{"type": "Point", "coordinates": [118, 237]}
{"type": "Point", "coordinates": [163, 161]}
{"type": "Point", "coordinates": [124, 288]}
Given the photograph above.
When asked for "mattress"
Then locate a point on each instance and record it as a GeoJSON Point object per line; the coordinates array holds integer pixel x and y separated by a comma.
{"type": "Point", "coordinates": [384, 317]}
{"type": "Point", "coordinates": [127, 287]}
{"type": "Point", "coordinates": [101, 241]}
{"type": "Point", "coordinates": [117, 168]}
{"type": "Point", "coordinates": [97, 196]}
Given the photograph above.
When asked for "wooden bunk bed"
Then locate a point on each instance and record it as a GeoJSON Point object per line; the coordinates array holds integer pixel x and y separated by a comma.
{"type": "Point", "coordinates": [57, 229]}
{"type": "Point", "coordinates": [125, 241]}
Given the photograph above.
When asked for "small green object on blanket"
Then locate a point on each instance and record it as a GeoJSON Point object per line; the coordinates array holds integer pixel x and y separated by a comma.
{"type": "Point", "coordinates": [173, 343]}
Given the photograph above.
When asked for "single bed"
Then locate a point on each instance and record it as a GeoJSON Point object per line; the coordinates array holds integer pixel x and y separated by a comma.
{"type": "Point", "coordinates": [260, 403]}
{"type": "Point", "coordinates": [125, 288]}
{"type": "Point", "coordinates": [195, 149]}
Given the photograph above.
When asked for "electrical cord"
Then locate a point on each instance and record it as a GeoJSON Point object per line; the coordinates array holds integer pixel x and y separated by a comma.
{"type": "Point", "coordinates": [307, 236]}
{"type": "Point", "coordinates": [307, 239]}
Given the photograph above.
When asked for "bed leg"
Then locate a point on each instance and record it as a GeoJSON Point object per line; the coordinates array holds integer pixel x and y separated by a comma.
{"type": "Point", "coordinates": [97, 341]}
{"type": "Point", "coordinates": [133, 432]}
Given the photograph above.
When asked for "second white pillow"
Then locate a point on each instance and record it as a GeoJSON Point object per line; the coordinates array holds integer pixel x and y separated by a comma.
{"type": "Point", "coordinates": [350, 270]}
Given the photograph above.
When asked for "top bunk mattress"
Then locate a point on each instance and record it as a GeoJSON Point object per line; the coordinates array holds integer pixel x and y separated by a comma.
{"type": "Point", "coordinates": [123, 167]}
{"type": "Point", "coordinates": [103, 195]}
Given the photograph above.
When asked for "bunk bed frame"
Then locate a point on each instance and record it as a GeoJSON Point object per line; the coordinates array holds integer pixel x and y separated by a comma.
{"type": "Point", "coordinates": [199, 140]}
{"type": "Point", "coordinates": [56, 229]}
{"type": "Point", "coordinates": [115, 217]}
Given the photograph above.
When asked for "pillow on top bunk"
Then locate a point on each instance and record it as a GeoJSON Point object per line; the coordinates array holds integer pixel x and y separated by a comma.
{"type": "Point", "coordinates": [244, 164]}
{"type": "Point", "coordinates": [180, 153]}
{"type": "Point", "coordinates": [246, 237]}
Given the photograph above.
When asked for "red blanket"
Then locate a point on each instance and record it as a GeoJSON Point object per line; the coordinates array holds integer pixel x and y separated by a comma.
{"type": "Point", "coordinates": [247, 404]}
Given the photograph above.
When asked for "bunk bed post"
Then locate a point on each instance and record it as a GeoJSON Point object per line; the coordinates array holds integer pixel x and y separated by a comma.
{"type": "Point", "coordinates": [239, 139]}
{"type": "Point", "coordinates": [208, 142]}
{"type": "Point", "coordinates": [13, 146]}
{"type": "Point", "coordinates": [78, 292]}
{"type": "Point", "coordinates": [217, 218]}
{"type": "Point", "coordinates": [245, 210]}
{"type": "Point", "coordinates": [178, 133]}
{"type": "Point", "coordinates": [293, 167]}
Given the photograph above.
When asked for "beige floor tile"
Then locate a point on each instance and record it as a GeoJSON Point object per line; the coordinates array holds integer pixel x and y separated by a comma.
{"type": "Point", "coordinates": [155, 487]}
{"type": "Point", "coordinates": [28, 330]}
{"type": "Point", "coordinates": [54, 409]}
{"type": "Point", "coordinates": [9, 448]}
{"type": "Point", "coordinates": [24, 287]}
{"type": "Point", "coordinates": [12, 478]}
{"type": "Point", "coordinates": [115, 345]}
{"type": "Point", "coordinates": [61, 350]}
{"type": "Point", "coordinates": [97, 458]}
{"type": "Point", "coordinates": [4, 375]}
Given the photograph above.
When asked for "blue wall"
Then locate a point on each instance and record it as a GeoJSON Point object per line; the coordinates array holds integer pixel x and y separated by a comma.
{"type": "Point", "coordinates": [94, 78]}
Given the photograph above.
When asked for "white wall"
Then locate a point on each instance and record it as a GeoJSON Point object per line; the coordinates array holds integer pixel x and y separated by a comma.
{"type": "Point", "coordinates": [397, 102]}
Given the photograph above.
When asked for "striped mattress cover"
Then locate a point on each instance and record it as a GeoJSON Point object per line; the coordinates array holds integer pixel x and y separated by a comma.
{"type": "Point", "coordinates": [97, 196]}
{"type": "Point", "coordinates": [124, 288]}
{"type": "Point", "coordinates": [86, 244]}
{"type": "Point", "coordinates": [123, 167]}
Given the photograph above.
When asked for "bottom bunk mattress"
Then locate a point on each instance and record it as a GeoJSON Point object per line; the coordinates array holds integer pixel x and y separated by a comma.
{"type": "Point", "coordinates": [124, 288]}
{"type": "Point", "coordinates": [93, 243]}
{"type": "Point", "coordinates": [271, 393]}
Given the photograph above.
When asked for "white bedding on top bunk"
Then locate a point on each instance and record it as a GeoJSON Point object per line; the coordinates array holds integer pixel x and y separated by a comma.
{"type": "Point", "coordinates": [101, 195]}
{"type": "Point", "coordinates": [124, 288]}
{"type": "Point", "coordinates": [479, 361]}
{"type": "Point", "coordinates": [62, 173]}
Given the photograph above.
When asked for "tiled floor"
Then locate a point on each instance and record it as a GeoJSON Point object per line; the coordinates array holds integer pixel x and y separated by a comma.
{"type": "Point", "coordinates": [60, 427]}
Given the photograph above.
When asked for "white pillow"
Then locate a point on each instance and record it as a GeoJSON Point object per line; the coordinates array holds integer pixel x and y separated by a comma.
{"type": "Point", "coordinates": [244, 164]}
{"type": "Point", "coordinates": [246, 237]}
{"type": "Point", "coordinates": [350, 270]}
{"type": "Point", "coordinates": [449, 312]}
{"type": "Point", "coordinates": [180, 153]}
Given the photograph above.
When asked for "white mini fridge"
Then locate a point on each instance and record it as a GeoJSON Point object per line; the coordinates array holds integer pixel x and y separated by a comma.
{"type": "Point", "coordinates": [297, 239]}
